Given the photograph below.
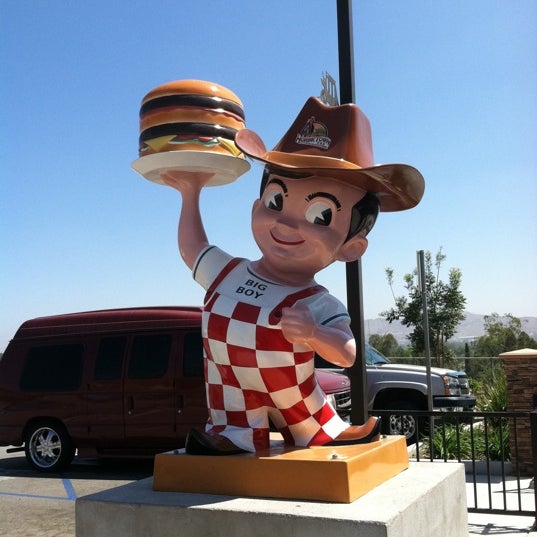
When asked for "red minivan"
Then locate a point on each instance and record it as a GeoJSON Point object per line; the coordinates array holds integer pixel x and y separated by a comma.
{"type": "Point", "coordinates": [110, 383]}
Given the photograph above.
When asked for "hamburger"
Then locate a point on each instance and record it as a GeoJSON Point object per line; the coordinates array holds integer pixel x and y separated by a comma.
{"type": "Point", "coordinates": [190, 126]}
{"type": "Point", "coordinates": [190, 115]}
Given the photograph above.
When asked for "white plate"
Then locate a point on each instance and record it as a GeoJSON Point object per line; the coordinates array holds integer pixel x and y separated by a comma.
{"type": "Point", "coordinates": [226, 168]}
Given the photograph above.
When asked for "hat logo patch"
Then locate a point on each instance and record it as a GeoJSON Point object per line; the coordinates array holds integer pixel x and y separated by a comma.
{"type": "Point", "coordinates": [314, 133]}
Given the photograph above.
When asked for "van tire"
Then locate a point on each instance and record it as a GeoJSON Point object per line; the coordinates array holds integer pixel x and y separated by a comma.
{"type": "Point", "coordinates": [48, 447]}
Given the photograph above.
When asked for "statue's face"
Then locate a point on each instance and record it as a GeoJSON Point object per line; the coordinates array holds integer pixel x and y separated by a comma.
{"type": "Point", "coordinates": [301, 224]}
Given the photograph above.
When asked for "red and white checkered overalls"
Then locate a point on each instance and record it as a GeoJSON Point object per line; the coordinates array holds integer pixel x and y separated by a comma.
{"type": "Point", "coordinates": [252, 372]}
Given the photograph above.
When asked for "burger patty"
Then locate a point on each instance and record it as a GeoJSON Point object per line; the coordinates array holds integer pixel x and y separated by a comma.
{"type": "Point", "coordinates": [187, 129]}
{"type": "Point", "coordinates": [201, 101]}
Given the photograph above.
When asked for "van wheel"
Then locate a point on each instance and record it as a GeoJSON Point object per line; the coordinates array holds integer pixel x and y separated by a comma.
{"type": "Point", "coordinates": [48, 447]}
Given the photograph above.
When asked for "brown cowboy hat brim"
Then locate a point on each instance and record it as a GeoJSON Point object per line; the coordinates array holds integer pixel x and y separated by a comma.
{"type": "Point", "coordinates": [397, 186]}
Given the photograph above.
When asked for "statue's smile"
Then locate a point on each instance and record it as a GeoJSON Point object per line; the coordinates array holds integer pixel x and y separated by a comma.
{"type": "Point", "coordinates": [286, 243]}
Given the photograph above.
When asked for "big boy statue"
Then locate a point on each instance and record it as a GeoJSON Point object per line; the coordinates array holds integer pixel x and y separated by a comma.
{"type": "Point", "coordinates": [263, 320]}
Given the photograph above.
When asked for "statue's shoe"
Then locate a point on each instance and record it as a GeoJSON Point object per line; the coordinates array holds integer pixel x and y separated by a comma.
{"type": "Point", "coordinates": [368, 432]}
{"type": "Point", "coordinates": [201, 443]}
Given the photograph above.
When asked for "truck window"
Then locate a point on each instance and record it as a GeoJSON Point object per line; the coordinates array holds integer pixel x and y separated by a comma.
{"type": "Point", "coordinates": [149, 356]}
{"type": "Point", "coordinates": [53, 368]}
{"type": "Point", "coordinates": [109, 361]}
{"type": "Point", "coordinates": [193, 355]}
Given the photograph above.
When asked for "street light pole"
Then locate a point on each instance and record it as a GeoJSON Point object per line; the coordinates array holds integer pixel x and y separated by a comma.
{"type": "Point", "coordinates": [357, 372]}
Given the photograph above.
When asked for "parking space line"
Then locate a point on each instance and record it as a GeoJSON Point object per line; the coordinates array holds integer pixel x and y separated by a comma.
{"type": "Point", "coordinates": [69, 489]}
{"type": "Point", "coordinates": [36, 496]}
{"type": "Point", "coordinates": [67, 485]}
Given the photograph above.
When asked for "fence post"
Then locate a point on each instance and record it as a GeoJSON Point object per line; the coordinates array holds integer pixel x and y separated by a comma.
{"type": "Point", "coordinates": [533, 427]}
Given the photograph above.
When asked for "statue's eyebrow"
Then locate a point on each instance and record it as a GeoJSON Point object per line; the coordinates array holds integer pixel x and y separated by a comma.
{"type": "Point", "coordinates": [325, 195]}
{"type": "Point", "coordinates": [278, 182]}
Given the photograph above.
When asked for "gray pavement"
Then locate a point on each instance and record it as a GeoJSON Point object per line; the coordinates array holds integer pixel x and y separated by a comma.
{"type": "Point", "coordinates": [35, 504]}
{"type": "Point", "coordinates": [500, 525]}
{"type": "Point", "coordinates": [494, 495]}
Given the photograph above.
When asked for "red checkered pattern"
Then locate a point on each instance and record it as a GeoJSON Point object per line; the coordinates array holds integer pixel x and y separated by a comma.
{"type": "Point", "coordinates": [253, 373]}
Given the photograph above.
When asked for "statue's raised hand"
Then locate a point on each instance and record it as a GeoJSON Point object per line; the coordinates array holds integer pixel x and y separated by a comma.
{"type": "Point", "coordinates": [186, 181]}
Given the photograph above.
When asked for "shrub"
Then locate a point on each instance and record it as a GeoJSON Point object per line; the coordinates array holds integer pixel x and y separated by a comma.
{"type": "Point", "coordinates": [454, 442]}
{"type": "Point", "coordinates": [450, 442]}
{"type": "Point", "coordinates": [493, 393]}
{"type": "Point", "coordinates": [497, 440]}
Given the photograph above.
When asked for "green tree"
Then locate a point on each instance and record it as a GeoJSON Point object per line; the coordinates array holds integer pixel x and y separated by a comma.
{"type": "Point", "coordinates": [445, 304]}
{"type": "Point", "coordinates": [502, 334]}
{"type": "Point", "coordinates": [386, 344]}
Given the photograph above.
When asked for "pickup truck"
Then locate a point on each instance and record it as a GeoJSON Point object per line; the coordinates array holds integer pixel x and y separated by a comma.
{"type": "Point", "coordinates": [402, 387]}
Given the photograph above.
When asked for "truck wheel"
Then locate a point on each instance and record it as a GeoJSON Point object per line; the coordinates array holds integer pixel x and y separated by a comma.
{"type": "Point", "coordinates": [48, 447]}
{"type": "Point", "coordinates": [403, 424]}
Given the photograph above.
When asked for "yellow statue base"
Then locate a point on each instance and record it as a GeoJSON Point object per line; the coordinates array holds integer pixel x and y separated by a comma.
{"type": "Point", "coordinates": [326, 473]}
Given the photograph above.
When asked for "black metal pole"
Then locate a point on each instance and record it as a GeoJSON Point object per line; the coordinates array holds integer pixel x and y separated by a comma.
{"type": "Point", "coordinates": [357, 373]}
{"type": "Point", "coordinates": [533, 429]}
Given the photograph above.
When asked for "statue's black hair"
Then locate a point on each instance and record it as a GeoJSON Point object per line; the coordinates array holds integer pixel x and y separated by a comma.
{"type": "Point", "coordinates": [363, 215]}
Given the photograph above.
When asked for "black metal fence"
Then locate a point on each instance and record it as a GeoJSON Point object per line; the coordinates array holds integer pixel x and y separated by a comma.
{"type": "Point", "coordinates": [499, 462]}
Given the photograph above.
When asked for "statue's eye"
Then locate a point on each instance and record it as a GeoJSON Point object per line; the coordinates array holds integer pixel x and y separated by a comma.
{"type": "Point", "coordinates": [319, 213]}
{"type": "Point", "coordinates": [274, 200]}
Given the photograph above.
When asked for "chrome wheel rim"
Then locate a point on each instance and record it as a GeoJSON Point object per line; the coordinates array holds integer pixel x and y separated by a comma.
{"type": "Point", "coordinates": [45, 447]}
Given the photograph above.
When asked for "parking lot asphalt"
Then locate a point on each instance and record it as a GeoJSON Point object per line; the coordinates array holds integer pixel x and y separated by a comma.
{"type": "Point", "coordinates": [37, 504]}
{"type": "Point", "coordinates": [43, 505]}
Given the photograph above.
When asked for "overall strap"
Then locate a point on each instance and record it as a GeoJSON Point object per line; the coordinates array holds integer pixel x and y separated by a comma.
{"type": "Point", "coordinates": [223, 273]}
{"type": "Point", "coordinates": [289, 300]}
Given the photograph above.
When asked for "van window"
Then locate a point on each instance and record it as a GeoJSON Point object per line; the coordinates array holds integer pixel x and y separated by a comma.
{"type": "Point", "coordinates": [149, 356]}
{"type": "Point", "coordinates": [54, 368]}
{"type": "Point", "coordinates": [193, 355]}
{"type": "Point", "coordinates": [109, 361]}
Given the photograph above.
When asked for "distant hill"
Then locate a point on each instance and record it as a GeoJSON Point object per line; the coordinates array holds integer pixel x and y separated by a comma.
{"type": "Point", "coordinates": [471, 328]}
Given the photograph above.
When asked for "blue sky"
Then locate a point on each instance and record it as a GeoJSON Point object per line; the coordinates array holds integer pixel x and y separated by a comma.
{"type": "Point", "coordinates": [449, 87]}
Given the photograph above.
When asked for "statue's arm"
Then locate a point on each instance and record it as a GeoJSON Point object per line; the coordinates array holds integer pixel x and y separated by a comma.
{"type": "Point", "coordinates": [191, 234]}
{"type": "Point", "coordinates": [334, 343]}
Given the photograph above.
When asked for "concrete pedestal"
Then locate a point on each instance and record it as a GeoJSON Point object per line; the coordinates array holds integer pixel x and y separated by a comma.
{"type": "Point", "coordinates": [428, 500]}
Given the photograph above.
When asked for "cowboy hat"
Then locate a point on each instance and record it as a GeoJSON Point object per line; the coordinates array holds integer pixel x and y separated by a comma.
{"type": "Point", "coordinates": [335, 141]}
